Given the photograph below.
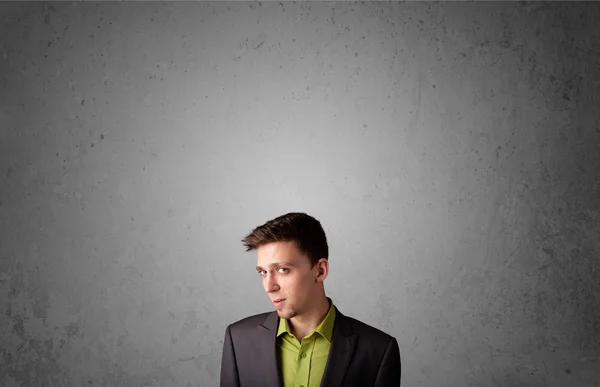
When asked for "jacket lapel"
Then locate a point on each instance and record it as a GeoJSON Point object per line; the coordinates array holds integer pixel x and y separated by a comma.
{"type": "Point", "coordinates": [340, 352]}
{"type": "Point", "coordinates": [267, 332]}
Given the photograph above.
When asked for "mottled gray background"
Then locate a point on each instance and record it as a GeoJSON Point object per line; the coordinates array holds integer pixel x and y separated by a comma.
{"type": "Point", "coordinates": [450, 150]}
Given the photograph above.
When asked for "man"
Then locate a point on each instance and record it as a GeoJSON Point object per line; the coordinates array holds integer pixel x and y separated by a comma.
{"type": "Point", "coordinates": [306, 341]}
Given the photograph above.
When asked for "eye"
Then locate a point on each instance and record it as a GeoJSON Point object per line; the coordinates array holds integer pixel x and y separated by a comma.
{"type": "Point", "coordinates": [285, 270]}
{"type": "Point", "coordinates": [262, 272]}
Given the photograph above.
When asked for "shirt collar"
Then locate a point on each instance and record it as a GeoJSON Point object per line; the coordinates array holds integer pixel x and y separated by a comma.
{"type": "Point", "coordinates": [325, 328]}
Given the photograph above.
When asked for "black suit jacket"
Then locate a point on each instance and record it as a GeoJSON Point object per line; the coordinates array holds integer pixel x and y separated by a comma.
{"type": "Point", "coordinates": [360, 355]}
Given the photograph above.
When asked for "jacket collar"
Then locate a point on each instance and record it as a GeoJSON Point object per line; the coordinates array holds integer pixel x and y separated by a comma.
{"type": "Point", "coordinates": [267, 351]}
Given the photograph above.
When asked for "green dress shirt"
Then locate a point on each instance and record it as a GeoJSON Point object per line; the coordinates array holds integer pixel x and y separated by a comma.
{"type": "Point", "coordinates": [303, 364]}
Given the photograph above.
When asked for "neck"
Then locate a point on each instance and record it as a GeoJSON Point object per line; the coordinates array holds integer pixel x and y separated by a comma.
{"type": "Point", "coordinates": [302, 325]}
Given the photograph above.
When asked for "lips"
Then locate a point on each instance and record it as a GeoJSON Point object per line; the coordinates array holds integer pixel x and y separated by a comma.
{"type": "Point", "coordinates": [278, 301]}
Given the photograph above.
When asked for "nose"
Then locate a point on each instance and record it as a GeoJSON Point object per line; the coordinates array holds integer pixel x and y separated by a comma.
{"type": "Point", "coordinates": [270, 283]}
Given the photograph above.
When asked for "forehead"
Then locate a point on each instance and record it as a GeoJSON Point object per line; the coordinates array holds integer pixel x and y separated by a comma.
{"type": "Point", "coordinates": [279, 252]}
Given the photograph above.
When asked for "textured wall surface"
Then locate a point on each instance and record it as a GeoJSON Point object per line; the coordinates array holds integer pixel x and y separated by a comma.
{"type": "Point", "coordinates": [450, 150]}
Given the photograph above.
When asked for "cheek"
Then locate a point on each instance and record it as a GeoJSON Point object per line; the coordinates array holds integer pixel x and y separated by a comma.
{"type": "Point", "coordinates": [298, 284]}
{"type": "Point", "coordinates": [301, 285]}
{"type": "Point", "coordinates": [289, 284]}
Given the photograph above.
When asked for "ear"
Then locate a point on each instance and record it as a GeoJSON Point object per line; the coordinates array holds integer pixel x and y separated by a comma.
{"type": "Point", "coordinates": [322, 270]}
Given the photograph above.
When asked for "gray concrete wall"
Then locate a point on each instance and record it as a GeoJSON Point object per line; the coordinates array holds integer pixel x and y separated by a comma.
{"type": "Point", "coordinates": [450, 150]}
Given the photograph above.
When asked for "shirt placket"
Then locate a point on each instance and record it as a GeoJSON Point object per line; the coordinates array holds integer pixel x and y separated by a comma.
{"type": "Point", "coordinates": [303, 365]}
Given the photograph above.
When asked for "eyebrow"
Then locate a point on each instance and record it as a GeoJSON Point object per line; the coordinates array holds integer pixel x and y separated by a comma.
{"type": "Point", "coordinates": [272, 265]}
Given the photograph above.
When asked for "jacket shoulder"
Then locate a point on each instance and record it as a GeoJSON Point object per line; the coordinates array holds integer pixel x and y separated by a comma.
{"type": "Point", "coordinates": [249, 322]}
{"type": "Point", "coordinates": [365, 330]}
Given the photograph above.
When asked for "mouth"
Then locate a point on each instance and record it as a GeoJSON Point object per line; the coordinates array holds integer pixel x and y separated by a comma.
{"type": "Point", "coordinates": [278, 301]}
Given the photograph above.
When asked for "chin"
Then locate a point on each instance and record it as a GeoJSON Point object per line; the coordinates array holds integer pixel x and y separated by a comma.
{"type": "Point", "coordinates": [286, 314]}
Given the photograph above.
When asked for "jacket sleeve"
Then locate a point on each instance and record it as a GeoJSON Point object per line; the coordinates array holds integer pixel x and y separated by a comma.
{"type": "Point", "coordinates": [390, 368]}
{"type": "Point", "coordinates": [229, 372]}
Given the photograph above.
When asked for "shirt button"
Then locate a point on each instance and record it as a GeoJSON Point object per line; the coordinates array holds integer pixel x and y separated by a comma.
{"type": "Point", "coordinates": [303, 355]}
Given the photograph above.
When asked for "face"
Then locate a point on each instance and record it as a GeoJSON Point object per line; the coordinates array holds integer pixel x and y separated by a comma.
{"type": "Point", "coordinates": [286, 275]}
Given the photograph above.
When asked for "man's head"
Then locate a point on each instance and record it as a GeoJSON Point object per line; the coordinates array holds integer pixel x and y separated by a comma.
{"type": "Point", "coordinates": [292, 261]}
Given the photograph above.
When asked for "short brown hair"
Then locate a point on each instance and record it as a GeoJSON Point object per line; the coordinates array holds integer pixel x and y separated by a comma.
{"type": "Point", "coordinates": [299, 227]}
